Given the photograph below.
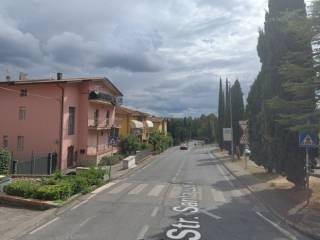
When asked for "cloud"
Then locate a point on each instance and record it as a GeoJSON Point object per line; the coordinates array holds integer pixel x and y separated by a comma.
{"type": "Point", "coordinates": [166, 56]}
{"type": "Point", "coordinates": [17, 47]}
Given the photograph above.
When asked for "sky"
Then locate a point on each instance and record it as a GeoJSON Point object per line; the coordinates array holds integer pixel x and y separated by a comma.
{"type": "Point", "coordinates": [166, 56]}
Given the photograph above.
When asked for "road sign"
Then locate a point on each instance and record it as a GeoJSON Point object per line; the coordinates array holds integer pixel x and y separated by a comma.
{"type": "Point", "coordinates": [227, 134]}
{"type": "Point", "coordinates": [308, 139]}
{"type": "Point", "coordinates": [244, 139]}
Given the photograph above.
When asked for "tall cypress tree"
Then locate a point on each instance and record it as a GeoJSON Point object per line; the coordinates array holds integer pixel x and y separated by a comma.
{"type": "Point", "coordinates": [237, 111]}
{"type": "Point", "coordinates": [282, 93]}
{"type": "Point", "coordinates": [227, 121]}
{"type": "Point", "coordinates": [221, 109]}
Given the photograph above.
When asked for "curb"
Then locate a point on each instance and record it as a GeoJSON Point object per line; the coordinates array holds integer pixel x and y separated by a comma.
{"type": "Point", "coordinates": [306, 231]}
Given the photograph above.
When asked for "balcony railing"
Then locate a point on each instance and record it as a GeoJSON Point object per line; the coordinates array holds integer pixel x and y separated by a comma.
{"type": "Point", "coordinates": [99, 123]}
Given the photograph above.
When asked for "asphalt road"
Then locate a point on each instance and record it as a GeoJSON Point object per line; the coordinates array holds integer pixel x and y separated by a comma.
{"type": "Point", "coordinates": [179, 195]}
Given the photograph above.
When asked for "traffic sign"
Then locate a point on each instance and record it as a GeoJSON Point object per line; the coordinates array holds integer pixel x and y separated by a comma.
{"type": "Point", "coordinates": [308, 139]}
{"type": "Point", "coordinates": [227, 134]}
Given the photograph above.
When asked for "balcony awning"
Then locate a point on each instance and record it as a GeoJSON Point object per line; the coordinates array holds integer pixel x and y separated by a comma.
{"type": "Point", "coordinates": [149, 124]}
{"type": "Point", "coordinates": [136, 124]}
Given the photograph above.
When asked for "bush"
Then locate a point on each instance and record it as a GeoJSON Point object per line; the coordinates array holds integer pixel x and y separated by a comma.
{"type": "Point", "coordinates": [111, 160]}
{"type": "Point", "coordinates": [5, 157]}
{"type": "Point", "coordinates": [22, 188]}
{"type": "Point", "coordinates": [160, 142]}
{"type": "Point", "coordinates": [144, 146]}
{"type": "Point", "coordinates": [129, 144]}
{"type": "Point", "coordinates": [57, 187]}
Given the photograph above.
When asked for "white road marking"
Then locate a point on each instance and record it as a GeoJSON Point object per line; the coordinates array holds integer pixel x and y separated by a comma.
{"type": "Point", "coordinates": [156, 190]}
{"type": "Point", "coordinates": [83, 202]}
{"type": "Point", "coordinates": [283, 231]}
{"type": "Point", "coordinates": [143, 232]}
{"type": "Point", "coordinates": [218, 196]}
{"type": "Point", "coordinates": [211, 215]}
{"type": "Point", "coordinates": [43, 226]}
{"type": "Point", "coordinates": [154, 212]}
{"type": "Point", "coordinates": [120, 188]}
{"type": "Point", "coordinates": [85, 221]}
{"type": "Point", "coordinates": [199, 193]}
{"type": "Point", "coordinates": [175, 192]}
{"type": "Point", "coordinates": [138, 189]}
{"type": "Point", "coordinates": [100, 189]}
{"type": "Point", "coordinates": [225, 176]}
{"type": "Point", "coordinates": [236, 193]}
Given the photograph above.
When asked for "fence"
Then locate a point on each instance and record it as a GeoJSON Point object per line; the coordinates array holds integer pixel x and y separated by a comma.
{"type": "Point", "coordinates": [35, 166]}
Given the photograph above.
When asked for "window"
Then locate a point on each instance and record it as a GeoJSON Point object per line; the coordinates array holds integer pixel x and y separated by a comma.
{"type": "Point", "coordinates": [20, 143]}
{"type": "Point", "coordinates": [23, 92]}
{"type": "Point", "coordinates": [22, 113]}
{"type": "Point", "coordinates": [5, 141]}
{"type": "Point", "coordinates": [71, 122]}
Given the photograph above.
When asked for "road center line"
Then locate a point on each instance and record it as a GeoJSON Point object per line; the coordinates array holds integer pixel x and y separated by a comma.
{"type": "Point", "coordinates": [283, 231]}
{"type": "Point", "coordinates": [143, 232]}
{"type": "Point", "coordinates": [154, 212]}
{"type": "Point", "coordinates": [43, 226]}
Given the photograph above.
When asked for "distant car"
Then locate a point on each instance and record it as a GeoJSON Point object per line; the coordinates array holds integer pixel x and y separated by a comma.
{"type": "Point", "coordinates": [183, 146]}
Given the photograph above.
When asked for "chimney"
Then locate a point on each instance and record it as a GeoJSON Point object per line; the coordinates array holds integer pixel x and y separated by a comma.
{"type": "Point", "coordinates": [22, 76]}
{"type": "Point", "coordinates": [59, 76]}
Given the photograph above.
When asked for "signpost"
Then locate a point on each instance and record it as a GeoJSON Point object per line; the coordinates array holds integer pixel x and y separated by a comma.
{"type": "Point", "coordinates": [227, 134]}
{"type": "Point", "coordinates": [308, 139]}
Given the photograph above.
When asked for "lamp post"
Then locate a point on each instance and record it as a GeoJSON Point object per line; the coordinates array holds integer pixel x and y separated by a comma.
{"type": "Point", "coordinates": [231, 119]}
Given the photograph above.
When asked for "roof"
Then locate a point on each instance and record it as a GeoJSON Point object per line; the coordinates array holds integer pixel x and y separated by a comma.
{"type": "Point", "coordinates": [131, 111]}
{"type": "Point", "coordinates": [105, 80]}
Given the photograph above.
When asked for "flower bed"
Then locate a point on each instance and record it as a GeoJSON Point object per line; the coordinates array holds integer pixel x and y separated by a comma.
{"type": "Point", "coordinates": [57, 187]}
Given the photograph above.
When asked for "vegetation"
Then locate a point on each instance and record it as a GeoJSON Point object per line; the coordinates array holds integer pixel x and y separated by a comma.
{"type": "Point", "coordinates": [235, 95]}
{"type": "Point", "coordinates": [5, 157]}
{"type": "Point", "coordinates": [112, 160]}
{"type": "Point", "coordinates": [183, 129]}
{"type": "Point", "coordinates": [282, 100]}
{"type": "Point", "coordinates": [160, 142]}
{"type": "Point", "coordinates": [57, 187]}
{"type": "Point", "coordinates": [129, 144]}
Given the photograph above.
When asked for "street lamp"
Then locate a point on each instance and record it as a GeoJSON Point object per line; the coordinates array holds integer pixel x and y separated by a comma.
{"type": "Point", "coordinates": [231, 120]}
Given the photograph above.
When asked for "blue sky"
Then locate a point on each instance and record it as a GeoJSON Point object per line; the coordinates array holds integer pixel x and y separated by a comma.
{"type": "Point", "coordinates": [166, 56]}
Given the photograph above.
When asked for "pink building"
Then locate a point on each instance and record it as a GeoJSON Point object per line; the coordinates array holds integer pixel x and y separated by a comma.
{"type": "Point", "coordinates": [73, 118]}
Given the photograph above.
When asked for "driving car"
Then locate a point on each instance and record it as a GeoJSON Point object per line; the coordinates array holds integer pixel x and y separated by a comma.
{"type": "Point", "coordinates": [183, 146]}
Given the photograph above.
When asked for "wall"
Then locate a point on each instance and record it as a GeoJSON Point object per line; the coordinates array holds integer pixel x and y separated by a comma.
{"type": "Point", "coordinates": [42, 124]}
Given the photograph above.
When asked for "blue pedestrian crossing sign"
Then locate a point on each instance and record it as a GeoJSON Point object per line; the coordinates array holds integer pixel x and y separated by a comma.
{"type": "Point", "coordinates": [308, 139]}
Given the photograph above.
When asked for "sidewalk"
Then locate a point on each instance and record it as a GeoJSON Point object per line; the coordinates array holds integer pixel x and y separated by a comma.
{"type": "Point", "coordinates": [280, 196]}
{"type": "Point", "coordinates": [15, 221]}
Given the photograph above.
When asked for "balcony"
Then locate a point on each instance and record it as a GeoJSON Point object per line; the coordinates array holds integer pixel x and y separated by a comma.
{"type": "Point", "coordinates": [102, 98]}
{"type": "Point", "coordinates": [99, 124]}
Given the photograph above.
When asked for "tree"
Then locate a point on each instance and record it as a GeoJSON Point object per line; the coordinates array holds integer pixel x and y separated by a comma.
{"type": "Point", "coordinates": [220, 122]}
{"type": "Point", "coordinates": [282, 98]}
{"type": "Point", "coordinates": [237, 111]}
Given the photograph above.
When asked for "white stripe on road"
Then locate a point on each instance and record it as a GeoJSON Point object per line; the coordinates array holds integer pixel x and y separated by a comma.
{"type": "Point", "coordinates": [175, 192]}
{"type": "Point", "coordinates": [83, 202]}
{"type": "Point", "coordinates": [283, 231]}
{"type": "Point", "coordinates": [100, 189]}
{"type": "Point", "coordinates": [225, 176]}
{"type": "Point", "coordinates": [138, 189]}
{"type": "Point", "coordinates": [236, 193]}
{"type": "Point", "coordinates": [143, 232]}
{"type": "Point", "coordinates": [43, 226]}
{"type": "Point", "coordinates": [154, 212]}
{"type": "Point", "coordinates": [156, 190]}
{"type": "Point", "coordinates": [120, 188]}
{"type": "Point", "coordinates": [218, 196]}
{"type": "Point", "coordinates": [211, 215]}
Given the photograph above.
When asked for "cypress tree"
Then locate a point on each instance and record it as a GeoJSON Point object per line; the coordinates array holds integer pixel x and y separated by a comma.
{"type": "Point", "coordinates": [221, 111]}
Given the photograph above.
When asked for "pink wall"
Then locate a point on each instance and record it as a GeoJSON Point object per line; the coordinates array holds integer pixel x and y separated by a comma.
{"type": "Point", "coordinates": [41, 126]}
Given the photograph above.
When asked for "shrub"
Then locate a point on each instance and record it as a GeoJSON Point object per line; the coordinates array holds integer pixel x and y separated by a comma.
{"type": "Point", "coordinates": [5, 157]}
{"type": "Point", "coordinates": [62, 190]}
{"type": "Point", "coordinates": [22, 188]}
{"type": "Point", "coordinates": [111, 160]}
{"type": "Point", "coordinates": [129, 144]}
{"type": "Point", "coordinates": [93, 176]}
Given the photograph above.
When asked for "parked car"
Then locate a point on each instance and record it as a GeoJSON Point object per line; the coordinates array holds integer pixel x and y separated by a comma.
{"type": "Point", "coordinates": [183, 146]}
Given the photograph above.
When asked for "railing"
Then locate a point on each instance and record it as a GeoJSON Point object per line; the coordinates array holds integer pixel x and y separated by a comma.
{"type": "Point", "coordinates": [99, 123]}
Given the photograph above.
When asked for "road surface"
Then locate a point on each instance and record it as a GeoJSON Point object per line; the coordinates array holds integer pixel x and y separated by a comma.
{"type": "Point", "coordinates": [180, 195]}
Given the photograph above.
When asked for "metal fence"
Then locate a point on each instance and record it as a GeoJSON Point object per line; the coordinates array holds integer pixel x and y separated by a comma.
{"type": "Point", "coordinates": [35, 166]}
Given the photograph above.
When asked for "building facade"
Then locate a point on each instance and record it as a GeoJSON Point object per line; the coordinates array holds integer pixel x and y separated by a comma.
{"type": "Point", "coordinates": [73, 118]}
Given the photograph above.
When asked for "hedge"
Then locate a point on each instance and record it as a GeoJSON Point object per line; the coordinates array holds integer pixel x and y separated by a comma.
{"type": "Point", "coordinates": [57, 187]}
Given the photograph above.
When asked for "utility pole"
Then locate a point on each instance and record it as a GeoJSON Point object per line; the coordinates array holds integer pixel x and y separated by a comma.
{"type": "Point", "coordinates": [230, 101]}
